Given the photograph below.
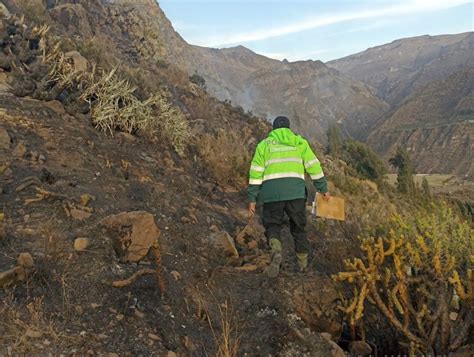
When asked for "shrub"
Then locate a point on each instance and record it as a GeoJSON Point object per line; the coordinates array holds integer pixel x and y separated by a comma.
{"type": "Point", "coordinates": [364, 160]}
{"type": "Point", "coordinates": [198, 80]}
{"type": "Point", "coordinates": [227, 156]}
{"type": "Point", "coordinates": [114, 106]}
{"type": "Point", "coordinates": [419, 278]}
{"type": "Point", "coordinates": [402, 161]}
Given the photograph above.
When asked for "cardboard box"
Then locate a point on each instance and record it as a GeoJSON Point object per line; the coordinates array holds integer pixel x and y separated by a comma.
{"type": "Point", "coordinates": [332, 209]}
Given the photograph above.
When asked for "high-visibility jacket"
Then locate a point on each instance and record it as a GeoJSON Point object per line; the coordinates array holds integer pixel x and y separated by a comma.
{"type": "Point", "coordinates": [278, 168]}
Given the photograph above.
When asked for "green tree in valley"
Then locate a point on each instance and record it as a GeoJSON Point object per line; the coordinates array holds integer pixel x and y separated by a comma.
{"type": "Point", "coordinates": [364, 160]}
{"type": "Point", "coordinates": [334, 147]}
{"type": "Point", "coordinates": [425, 188]}
{"type": "Point", "coordinates": [406, 170]}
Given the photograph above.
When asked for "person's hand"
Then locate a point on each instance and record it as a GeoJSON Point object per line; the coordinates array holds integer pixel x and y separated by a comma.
{"type": "Point", "coordinates": [252, 206]}
{"type": "Point", "coordinates": [326, 196]}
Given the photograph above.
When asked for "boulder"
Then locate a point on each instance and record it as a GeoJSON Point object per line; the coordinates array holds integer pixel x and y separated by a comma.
{"type": "Point", "coordinates": [4, 139]}
{"type": "Point", "coordinates": [223, 241]}
{"type": "Point", "coordinates": [360, 348]}
{"type": "Point", "coordinates": [73, 17]}
{"type": "Point", "coordinates": [132, 233]}
{"type": "Point", "coordinates": [314, 299]}
{"type": "Point", "coordinates": [80, 63]}
{"type": "Point", "coordinates": [56, 106]}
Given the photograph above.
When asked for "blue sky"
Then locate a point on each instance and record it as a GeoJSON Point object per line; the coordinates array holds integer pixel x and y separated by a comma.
{"type": "Point", "coordinates": [314, 29]}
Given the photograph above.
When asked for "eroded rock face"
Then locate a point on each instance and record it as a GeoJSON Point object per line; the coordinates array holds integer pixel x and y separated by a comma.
{"type": "Point", "coordinates": [132, 233]}
{"type": "Point", "coordinates": [73, 17]}
{"type": "Point", "coordinates": [4, 139]}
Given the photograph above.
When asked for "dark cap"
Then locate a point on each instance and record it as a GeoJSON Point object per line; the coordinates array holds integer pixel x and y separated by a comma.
{"type": "Point", "coordinates": [281, 122]}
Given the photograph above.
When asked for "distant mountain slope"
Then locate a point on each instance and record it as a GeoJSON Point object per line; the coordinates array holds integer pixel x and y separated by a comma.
{"type": "Point", "coordinates": [397, 69]}
{"type": "Point", "coordinates": [309, 92]}
{"type": "Point", "coordinates": [436, 124]}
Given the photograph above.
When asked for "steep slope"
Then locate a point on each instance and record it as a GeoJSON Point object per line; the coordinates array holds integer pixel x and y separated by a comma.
{"type": "Point", "coordinates": [309, 90]}
{"type": "Point", "coordinates": [436, 124]}
{"type": "Point", "coordinates": [397, 69]}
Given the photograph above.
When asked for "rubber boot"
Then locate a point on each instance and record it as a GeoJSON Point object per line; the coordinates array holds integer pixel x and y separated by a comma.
{"type": "Point", "coordinates": [302, 259]}
{"type": "Point", "coordinates": [274, 268]}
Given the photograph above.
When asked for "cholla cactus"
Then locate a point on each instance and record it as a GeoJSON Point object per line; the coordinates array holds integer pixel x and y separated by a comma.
{"type": "Point", "coordinates": [413, 282]}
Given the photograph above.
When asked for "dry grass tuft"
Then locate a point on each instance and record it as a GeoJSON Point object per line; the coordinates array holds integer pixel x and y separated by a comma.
{"type": "Point", "coordinates": [226, 338]}
{"type": "Point", "coordinates": [22, 328]}
{"type": "Point", "coordinates": [227, 156]}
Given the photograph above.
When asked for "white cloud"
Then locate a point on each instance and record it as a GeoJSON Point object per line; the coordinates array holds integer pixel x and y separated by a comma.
{"type": "Point", "coordinates": [297, 56]}
{"type": "Point", "coordinates": [399, 9]}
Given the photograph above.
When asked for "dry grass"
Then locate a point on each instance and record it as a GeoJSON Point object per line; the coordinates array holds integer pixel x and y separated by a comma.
{"type": "Point", "coordinates": [114, 105]}
{"type": "Point", "coordinates": [227, 156]}
{"type": "Point", "coordinates": [27, 329]}
{"type": "Point", "coordinates": [226, 337]}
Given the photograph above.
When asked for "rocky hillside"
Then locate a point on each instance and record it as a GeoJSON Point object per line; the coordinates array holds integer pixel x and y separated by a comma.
{"type": "Point", "coordinates": [436, 124]}
{"type": "Point", "coordinates": [321, 96]}
{"type": "Point", "coordinates": [117, 238]}
{"type": "Point", "coordinates": [115, 243]}
{"type": "Point", "coordinates": [397, 69]}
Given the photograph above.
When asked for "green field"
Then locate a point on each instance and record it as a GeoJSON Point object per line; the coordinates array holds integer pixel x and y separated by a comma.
{"type": "Point", "coordinates": [434, 180]}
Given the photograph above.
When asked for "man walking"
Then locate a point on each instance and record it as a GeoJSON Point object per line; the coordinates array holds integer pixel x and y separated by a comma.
{"type": "Point", "coordinates": [277, 174]}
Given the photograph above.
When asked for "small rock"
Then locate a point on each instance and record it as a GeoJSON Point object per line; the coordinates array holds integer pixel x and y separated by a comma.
{"type": "Point", "coordinates": [34, 155]}
{"type": "Point", "coordinates": [453, 315]}
{"type": "Point", "coordinates": [94, 305]}
{"type": "Point", "coordinates": [138, 314]}
{"type": "Point", "coordinates": [214, 228]}
{"type": "Point", "coordinates": [327, 336]}
{"type": "Point", "coordinates": [120, 317]}
{"type": "Point", "coordinates": [171, 354]}
{"type": "Point", "coordinates": [154, 337]}
{"type": "Point", "coordinates": [185, 220]}
{"type": "Point", "coordinates": [25, 260]}
{"type": "Point", "coordinates": [102, 336]}
{"type": "Point", "coordinates": [79, 214]}
{"type": "Point", "coordinates": [176, 275]}
{"type": "Point", "coordinates": [79, 310]}
{"type": "Point", "coordinates": [20, 149]}
{"type": "Point", "coordinates": [56, 106]}
{"type": "Point", "coordinates": [41, 158]}
{"type": "Point", "coordinates": [33, 333]}
{"type": "Point", "coordinates": [81, 244]}
{"type": "Point", "coordinates": [4, 139]}
{"type": "Point", "coordinates": [360, 348]}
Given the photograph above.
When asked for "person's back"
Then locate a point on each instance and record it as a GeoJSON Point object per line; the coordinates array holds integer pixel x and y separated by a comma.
{"type": "Point", "coordinates": [277, 174]}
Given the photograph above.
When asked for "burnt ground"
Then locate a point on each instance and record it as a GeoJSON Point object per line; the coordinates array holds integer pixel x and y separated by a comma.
{"type": "Point", "coordinates": [68, 299]}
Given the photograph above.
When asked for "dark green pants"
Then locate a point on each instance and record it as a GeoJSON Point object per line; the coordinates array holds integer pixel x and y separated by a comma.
{"type": "Point", "coordinates": [274, 219]}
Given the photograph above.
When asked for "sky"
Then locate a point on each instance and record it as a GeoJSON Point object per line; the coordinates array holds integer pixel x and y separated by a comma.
{"type": "Point", "coordinates": [314, 29]}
